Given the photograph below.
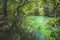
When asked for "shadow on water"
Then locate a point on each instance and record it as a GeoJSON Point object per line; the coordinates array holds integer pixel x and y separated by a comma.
{"type": "Point", "coordinates": [37, 36]}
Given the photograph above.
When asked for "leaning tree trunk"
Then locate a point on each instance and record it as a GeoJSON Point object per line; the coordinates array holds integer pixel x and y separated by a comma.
{"type": "Point", "coordinates": [5, 7]}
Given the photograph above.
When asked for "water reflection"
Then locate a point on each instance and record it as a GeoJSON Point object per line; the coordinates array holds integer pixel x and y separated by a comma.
{"type": "Point", "coordinates": [37, 36]}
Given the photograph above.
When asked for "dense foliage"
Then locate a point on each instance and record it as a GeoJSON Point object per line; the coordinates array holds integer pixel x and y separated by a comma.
{"type": "Point", "coordinates": [19, 18]}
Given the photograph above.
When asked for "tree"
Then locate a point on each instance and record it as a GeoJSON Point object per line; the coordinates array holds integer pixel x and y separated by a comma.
{"type": "Point", "coordinates": [15, 15]}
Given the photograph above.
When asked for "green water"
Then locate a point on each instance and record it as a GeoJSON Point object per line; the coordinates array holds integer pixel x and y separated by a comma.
{"type": "Point", "coordinates": [40, 21]}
